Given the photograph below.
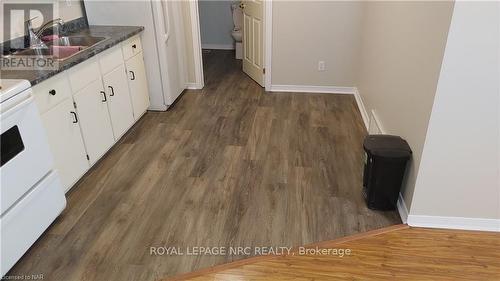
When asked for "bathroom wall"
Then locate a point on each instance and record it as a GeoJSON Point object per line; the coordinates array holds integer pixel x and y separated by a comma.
{"type": "Point", "coordinates": [216, 24]}
{"type": "Point", "coordinates": [67, 10]}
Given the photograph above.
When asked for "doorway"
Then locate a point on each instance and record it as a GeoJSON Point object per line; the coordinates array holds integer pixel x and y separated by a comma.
{"type": "Point", "coordinates": [214, 35]}
{"type": "Point", "coordinates": [221, 36]}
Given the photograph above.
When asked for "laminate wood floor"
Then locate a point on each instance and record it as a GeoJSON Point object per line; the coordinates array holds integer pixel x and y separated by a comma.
{"type": "Point", "coordinates": [396, 253]}
{"type": "Point", "coordinates": [229, 165]}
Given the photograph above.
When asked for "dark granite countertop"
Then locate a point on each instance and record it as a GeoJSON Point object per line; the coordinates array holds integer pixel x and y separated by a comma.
{"type": "Point", "coordinates": [114, 34]}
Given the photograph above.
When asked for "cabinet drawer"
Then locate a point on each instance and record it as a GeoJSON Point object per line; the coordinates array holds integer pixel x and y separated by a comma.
{"type": "Point", "coordinates": [83, 74]}
{"type": "Point", "coordinates": [110, 59]}
{"type": "Point", "coordinates": [51, 92]}
{"type": "Point", "coordinates": [131, 47]}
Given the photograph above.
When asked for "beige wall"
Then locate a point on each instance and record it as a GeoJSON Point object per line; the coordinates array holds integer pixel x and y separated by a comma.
{"type": "Point", "coordinates": [305, 32]}
{"type": "Point", "coordinates": [459, 172]}
{"type": "Point", "coordinates": [71, 12]}
{"type": "Point", "coordinates": [402, 51]}
{"type": "Point", "coordinates": [66, 12]}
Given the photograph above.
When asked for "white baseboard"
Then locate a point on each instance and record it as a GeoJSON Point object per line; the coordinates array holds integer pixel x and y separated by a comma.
{"type": "Point", "coordinates": [375, 126]}
{"type": "Point", "coordinates": [362, 109]}
{"type": "Point", "coordinates": [162, 107]}
{"type": "Point", "coordinates": [403, 211]}
{"type": "Point", "coordinates": [454, 223]}
{"type": "Point", "coordinates": [193, 86]}
{"type": "Point", "coordinates": [218, 46]}
{"type": "Point", "coordinates": [313, 89]}
{"type": "Point", "coordinates": [327, 90]}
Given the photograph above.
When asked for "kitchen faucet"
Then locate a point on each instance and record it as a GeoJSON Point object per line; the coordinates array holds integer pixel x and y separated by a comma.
{"type": "Point", "coordinates": [35, 41]}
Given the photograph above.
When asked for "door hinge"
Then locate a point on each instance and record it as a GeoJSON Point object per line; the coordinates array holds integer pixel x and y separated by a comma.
{"type": "Point", "coordinates": [264, 70]}
{"type": "Point", "coordinates": [88, 158]}
{"type": "Point", "coordinates": [74, 105]}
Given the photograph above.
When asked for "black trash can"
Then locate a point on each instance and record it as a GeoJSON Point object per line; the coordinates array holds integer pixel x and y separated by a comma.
{"type": "Point", "coordinates": [385, 160]}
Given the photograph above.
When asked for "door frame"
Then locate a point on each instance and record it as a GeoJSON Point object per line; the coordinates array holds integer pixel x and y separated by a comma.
{"type": "Point", "coordinates": [197, 50]}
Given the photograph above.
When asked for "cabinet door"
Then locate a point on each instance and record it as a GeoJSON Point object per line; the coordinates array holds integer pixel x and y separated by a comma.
{"type": "Point", "coordinates": [66, 143]}
{"type": "Point", "coordinates": [92, 108]}
{"type": "Point", "coordinates": [138, 85]}
{"type": "Point", "coordinates": [120, 107]}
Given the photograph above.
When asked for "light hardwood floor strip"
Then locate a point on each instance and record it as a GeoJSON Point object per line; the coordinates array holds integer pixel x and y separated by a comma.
{"type": "Point", "coordinates": [401, 254]}
{"type": "Point", "coordinates": [323, 244]}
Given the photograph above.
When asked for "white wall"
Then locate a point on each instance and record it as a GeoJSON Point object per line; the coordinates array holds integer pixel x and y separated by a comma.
{"type": "Point", "coordinates": [400, 59]}
{"type": "Point", "coordinates": [459, 172]}
{"type": "Point", "coordinates": [66, 11]}
{"type": "Point", "coordinates": [305, 32]}
{"type": "Point", "coordinates": [216, 23]}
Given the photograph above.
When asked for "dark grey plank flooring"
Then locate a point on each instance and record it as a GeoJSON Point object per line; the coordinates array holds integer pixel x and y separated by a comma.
{"type": "Point", "coordinates": [229, 165]}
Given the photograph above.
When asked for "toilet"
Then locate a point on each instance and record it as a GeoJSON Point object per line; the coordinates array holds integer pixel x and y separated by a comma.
{"type": "Point", "coordinates": [237, 32]}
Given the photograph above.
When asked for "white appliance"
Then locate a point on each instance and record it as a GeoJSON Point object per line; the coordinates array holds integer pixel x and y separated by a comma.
{"type": "Point", "coordinates": [31, 195]}
{"type": "Point", "coordinates": [237, 31]}
{"type": "Point", "coordinates": [162, 40]}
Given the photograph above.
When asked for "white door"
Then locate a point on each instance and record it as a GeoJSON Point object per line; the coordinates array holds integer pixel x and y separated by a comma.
{"type": "Point", "coordinates": [138, 85]}
{"type": "Point", "coordinates": [253, 39]}
{"type": "Point", "coordinates": [120, 107]}
{"type": "Point", "coordinates": [92, 110]}
{"type": "Point", "coordinates": [66, 143]}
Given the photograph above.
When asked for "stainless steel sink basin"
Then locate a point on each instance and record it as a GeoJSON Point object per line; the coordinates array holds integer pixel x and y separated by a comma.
{"type": "Point", "coordinates": [81, 41]}
{"type": "Point", "coordinates": [63, 48]}
{"type": "Point", "coordinates": [57, 52]}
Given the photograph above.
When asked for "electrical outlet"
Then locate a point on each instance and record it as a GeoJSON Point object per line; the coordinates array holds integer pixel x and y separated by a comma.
{"type": "Point", "coordinates": [321, 65]}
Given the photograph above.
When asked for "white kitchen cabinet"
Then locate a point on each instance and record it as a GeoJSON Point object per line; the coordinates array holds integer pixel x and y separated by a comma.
{"type": "Point", "coordinates": [51, 92]}
{"type": "Point", "coordinates": [83, 74]}
{"type": "Point", "coordinates": [88, 107]}
{"type": "Point", "coordinates": [66, 143]}
{"type": "Point", "coordinates": [132, 47]}
{"type": "Point", "coordinates": [92, 109]}
{"type": "Point", "coordinates": [120, 107]}
{"type": "Point", "coordinates": [138, 85]}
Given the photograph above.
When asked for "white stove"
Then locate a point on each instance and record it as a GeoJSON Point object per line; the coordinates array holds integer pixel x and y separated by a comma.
{"type": "Point", "coordinates": [12, 87]}
{"type": "Point", "coordinates": [31, 195]}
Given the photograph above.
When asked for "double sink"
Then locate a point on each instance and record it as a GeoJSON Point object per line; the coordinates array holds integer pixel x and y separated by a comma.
{"type": "Point", "coordinates": [62, 48]}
